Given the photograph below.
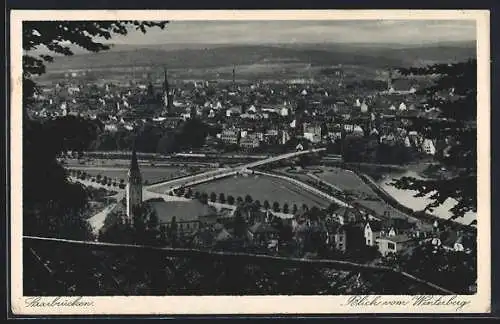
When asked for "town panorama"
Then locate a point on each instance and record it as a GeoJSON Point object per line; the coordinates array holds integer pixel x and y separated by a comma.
{"type": "Point", "coordinates": [251, 169]}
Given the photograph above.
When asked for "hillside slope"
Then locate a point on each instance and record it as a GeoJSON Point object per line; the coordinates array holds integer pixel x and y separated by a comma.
{"type": "Point", "coordinates": [320, 55]}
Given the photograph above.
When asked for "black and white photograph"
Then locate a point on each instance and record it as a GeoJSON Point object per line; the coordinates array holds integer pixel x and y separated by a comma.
{"type": "Point", "coordinates": [253, 157]}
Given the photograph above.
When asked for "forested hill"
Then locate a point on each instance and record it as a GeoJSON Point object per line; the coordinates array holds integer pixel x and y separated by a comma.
{"type": "Point", "coordinates": [314, 54]}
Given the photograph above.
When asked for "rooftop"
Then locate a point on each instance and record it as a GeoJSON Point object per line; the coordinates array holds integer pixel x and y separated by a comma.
{"type": "Point", "coordinates": [184, 211]}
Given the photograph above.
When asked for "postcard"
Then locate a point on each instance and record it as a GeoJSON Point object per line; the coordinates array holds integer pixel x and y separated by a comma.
{"type": "Point", "coordinates": [249, 162]}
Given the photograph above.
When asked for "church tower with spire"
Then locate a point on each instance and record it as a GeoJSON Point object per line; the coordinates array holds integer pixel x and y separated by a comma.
{"type": "Point", "coordinates": [134, 188]}
{"type": "Point", "coordinates": [167, 94]}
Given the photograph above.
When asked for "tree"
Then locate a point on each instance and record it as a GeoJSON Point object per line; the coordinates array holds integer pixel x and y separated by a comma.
{"type": "Point", "coordinates": [222, 198]}
{"type": "Point", "coordinates": [257, 204]}
{"type": "Point", "coordinates": [213, 197]}
{"type": "Point", "coordinates": [204, 198]}
{"type": "Point", "coordinates": [152, 219]}
{"type": "Point", "coordinates": [57, 212]}
{"type": "Point", "coordinates": [276, 206]}
{"type": "Point", "coordinates": [172, 232]}
{"type": "Point", "coordinates": [295, 209]}
{"type": "Point", "coordinates": [197, 195]}
{"type": "Point", "coordinates": [305, 207]}
{"type": "Point", "coordinates": [454, 93]}
{"type": "Point", "coordinates": [285, 208]}
{"type": "Point", "coordinates": [332, 207]}
{"type": "Point", "coordinates": [239, 200]}
{"type": "Point", "coordinates": [248, 199]}
{"type": "Point", "coordinates": [230, 200]}
{"type": "Point", "coordinates": [239, 224]}
{"type": "Point", "coordinates": [266, 204]}
{"type": "Point", "coordinates": [189, 193]}
{"type": "Point", "coordinates": [163, 234]}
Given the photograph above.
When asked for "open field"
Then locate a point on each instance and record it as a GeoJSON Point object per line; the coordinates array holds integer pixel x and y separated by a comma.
{"type": "Point", "coordinates": [345, 180]}
{"type": "Point", "coordinates": [342, 179]}
{"type": "Point", "coordinates": [149, 174]}
{"type": "Point", "coordinates": [263, 188]}
{"type": "Point", "coordinates": [348, 182]}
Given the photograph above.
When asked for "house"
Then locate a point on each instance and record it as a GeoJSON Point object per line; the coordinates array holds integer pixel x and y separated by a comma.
{"type": "Point", "coordinates": [250, 141]}
{"type": "Point", "coordinates": [222, 235]}
{"type": "Point", "coordinates": [372, 232]}
{"type": "Point", "coordinates": [428, 147]}
{"type": "Point", "coordinates": [358, 131]}
{"type": "Point", "coordinates": [312, 132]}
{"type": "Point", "coordinates": [349, 237]}
{"type": "Point", "coordinates": [187, 213]}
{"type": "Point", "coordinates": [230, 136]}
{"type": "Point", "coordinates": [203, 238]}
{"type": "Point", "coordinates": [457, 241]}
{"type": "Point", "coordinates": [344, 215]}
{"type": "Point", "coordinates": [397, 223]}
{"type": "Point", "coordinates": [233, 111]}
{"type": "Point", "coordinates": [261, 232]}
{"type": "Point", "coordinates": [393, 243]}
{"type": "Point", "coordinates": [401, 86]}
{"type": "Point", "coordinates": [364, 107]}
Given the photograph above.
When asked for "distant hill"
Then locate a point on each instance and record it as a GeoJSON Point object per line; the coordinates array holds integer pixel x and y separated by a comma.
{"type": "Point", "coordinates": [213, 56]}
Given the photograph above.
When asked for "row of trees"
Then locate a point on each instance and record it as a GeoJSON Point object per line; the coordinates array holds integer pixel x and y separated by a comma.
{"type": "Point", "coordinates": [368, 149]}
{"type": "Point", "coordinates": [231, 200]}
{"type": "Point", "coordinates": [104, 180]}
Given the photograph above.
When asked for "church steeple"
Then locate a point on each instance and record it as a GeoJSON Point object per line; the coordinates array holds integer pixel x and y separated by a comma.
{"type": "Point", "coordinates": [166, 88]}
{"type": "Point", "coordinates": [234, 78]}
{"type": "Point", "coordinates": [389, 80]}
{"type": "Point", "coordinates": [151, 89]}
{"type": "Point", "coordinates": [134, 187]}
{"type": "Point", "coordinates": [167, 95]}
{"type": "Point", "coordinates": [133, 162]}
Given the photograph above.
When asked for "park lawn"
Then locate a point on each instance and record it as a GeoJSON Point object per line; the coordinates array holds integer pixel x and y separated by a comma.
{"type": "Point", "coordinates": [263, 188]}
{"type": "Point", "coordinates": [346, 180]}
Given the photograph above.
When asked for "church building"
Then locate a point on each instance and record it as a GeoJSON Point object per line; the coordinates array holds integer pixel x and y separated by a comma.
{"type": "Point", "coordinates": [134, 188]}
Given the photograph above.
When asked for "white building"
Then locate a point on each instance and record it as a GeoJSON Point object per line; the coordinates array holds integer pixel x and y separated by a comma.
{"type": "Point", "coordinates": [428, 146]}
{"type": "Point", "coordinates": [402, 106]}
{"type": "Point", "coordinates": [358, 131]}
{"type": "Point", "coordinates": [364, 107]}
{"type": "Point", "coordinates": [315, 138]}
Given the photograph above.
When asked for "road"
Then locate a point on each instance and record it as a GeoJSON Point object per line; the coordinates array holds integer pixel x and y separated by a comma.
{"type": "Point", "coordinates": [223, 172]}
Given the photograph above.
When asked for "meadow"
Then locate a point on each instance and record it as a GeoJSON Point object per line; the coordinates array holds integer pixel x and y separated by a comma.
{"type": "Point", "coordinates": [263, 188]}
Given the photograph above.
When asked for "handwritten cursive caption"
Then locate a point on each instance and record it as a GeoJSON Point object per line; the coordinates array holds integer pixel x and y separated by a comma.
{"type": "Point", "coordinates": [454, 301]}
{"type": "Point", "coordinates": [58, 302]}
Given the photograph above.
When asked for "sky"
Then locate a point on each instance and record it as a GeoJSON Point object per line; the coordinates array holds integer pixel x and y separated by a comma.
{"type": "Point", "coordinates": [347, 31]}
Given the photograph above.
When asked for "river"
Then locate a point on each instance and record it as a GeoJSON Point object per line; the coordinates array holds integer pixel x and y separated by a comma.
{"type": "Point", "coordinates": [408, 199]}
